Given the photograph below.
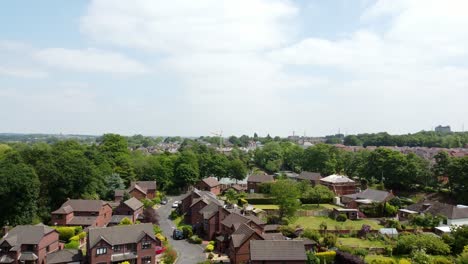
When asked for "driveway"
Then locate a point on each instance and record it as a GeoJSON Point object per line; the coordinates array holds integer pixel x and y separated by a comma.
{"type": "Point", "coordinates": [188, 253]}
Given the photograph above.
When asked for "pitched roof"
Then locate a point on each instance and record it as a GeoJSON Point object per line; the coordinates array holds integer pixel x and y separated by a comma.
{"type": "Point", "coordinates": [234, 218]}
{"type": "Point", "coordinates": [26, 234]}
{"type": "Point", "coordinates": [260, 178]}
{"type": "Point", "coordinates": [438, 208]}
{"type": "Point", "coordinates": [255, 219]}
{"type": "Point", "coordinates": [117, 235]}
{"type": "Point", "coordinates": [211, 181]}
{"type": "Point", "coordinates": [370, 194]}
{"type": "Point", "coordinates": [83, 220]}
{"type": "Point", "coordinates": [238, 187]}
{"type": "Point", "coordinates": [337, 179]}
{"type": "Point", "coordinates": [116, 219]}
{"type": "Point", "coordinates": [311, 176]}
{"type": "Point", "coordinates": [209, 210]}
{"type": "Point", "coordinates": [80, 206]}
{"type": "Point", "coordinates": [145, 185]}
{"type": "Point", "coordinates": [273, 236]}
{"type": "Point", "coordinates": [267, 228]}
{"type": "Point", "coordinates": [118, 193]}
{"type": "Point", "coordinates": [133, 203]}
{"type": "Point", "coordinates": [242, 234]}
{"type": "Point", "coordinates": [277, 250]}
{"type": "Point", "coordinates": [65, 256]}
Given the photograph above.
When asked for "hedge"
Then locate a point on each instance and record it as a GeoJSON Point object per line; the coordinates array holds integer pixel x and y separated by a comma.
{"type": "Point", "coordinates": [261, 201]}
{"type": "Point", "coordinates": [72, 245]}
{"type": "Point", "coordinates": [65, 232]}
{"type": "Point", "coordinates": [328, 256]}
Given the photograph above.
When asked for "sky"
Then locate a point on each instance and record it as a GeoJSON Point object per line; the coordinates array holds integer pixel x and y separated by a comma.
{"type": "Point", "coordinates": [193, 68]}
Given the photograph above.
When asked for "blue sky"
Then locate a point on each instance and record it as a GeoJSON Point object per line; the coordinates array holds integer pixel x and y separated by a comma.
{"type": "Point", "coordinates": [268, 66]}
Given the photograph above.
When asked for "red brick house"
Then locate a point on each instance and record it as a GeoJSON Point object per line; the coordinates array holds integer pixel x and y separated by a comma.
{"type": "Point", "coordinates": [82, 213]}
{"type": "Point", "coordinates": [66, 256]}
{"type": "Point", "coordinates": [210, 184]}
{"type": "Point", "coordinates": [133, 243]}
{"type": "Point", "coordinates": [254, 181]}
{"type": "Point", "coordinates": [132, 209]}
{"type": "Point", "coordinates": [339, 184]}
{"type": "Point", "coordinates": [28, 244]}
{"type": "Point", "coordinates": [277, 252]}
{"type": "Point", "coordinates": [139, 190]}
{"type": "Point", "coordinates": [239, 244]}
{"type": "Point", "coordinates": [193, 202]}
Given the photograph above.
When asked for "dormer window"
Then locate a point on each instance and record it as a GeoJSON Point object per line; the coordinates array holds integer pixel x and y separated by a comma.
{"type": "Point", "coordinates": [101, 251]}
{"type": "Point", "coordinates": [146, 245]}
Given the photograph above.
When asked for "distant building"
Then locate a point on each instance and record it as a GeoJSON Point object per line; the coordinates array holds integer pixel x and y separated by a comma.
{"type": "Point", "coordinates": [139, 190]}
{"type": "Point", "coordinates": [311, 177]}
{"type": "Point", "coordinates": [339, 184]}
{"type": "Point", "coordinates": [82, 213]}
{"type": "Point", "coordinates": [443, 129]}
{"type": "Point", "coordinates": [254, 181]}
{"type": "Point", "coordinates": [210, 184]}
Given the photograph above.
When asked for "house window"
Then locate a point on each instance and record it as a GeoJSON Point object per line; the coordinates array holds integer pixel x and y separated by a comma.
{"type": "Point", "coordinates": [47, 248]}
{"type": "Point", "coordinates": [30, 248]}
{"type": "Point", "coordinates": [59, 216]}
{"type": "Point", "coordinates": [116, 248]}
{"type": "Point", "coordinates": [101, 251]}
{"type": "Point", "coordinates": [146, 260]}
{"type": "Point", "coordinates": [146, 245]}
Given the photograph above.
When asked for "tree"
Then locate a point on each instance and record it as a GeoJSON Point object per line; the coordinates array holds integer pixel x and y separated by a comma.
{"type": "Point", "coordinates": [231, 196]}
{"type": "Point", "coordinates": [19, 191]}
{"type": "Point", "coordinates": [352, 140]}
{"type": "Point", "coordinates": [286, 195]}
{"type": "Point", "coordinates": [458, 173]}
{"type": "Point", "coordinates": [150, 216]}
{"type": "Point", "coordinates": [318, 194]}
{"type": "Point", "coordinates": [270, 157]}
{"type": "Point", "coordinates": [125, 221]}
{"type": "Point", "coordinates": [459, 235]}
{"type": "Point", "coordinates": [186, 169]}
{"type": "Point", "coordinates": [322, 158]}
{"type": "Point", "coordinates": [237, 170]}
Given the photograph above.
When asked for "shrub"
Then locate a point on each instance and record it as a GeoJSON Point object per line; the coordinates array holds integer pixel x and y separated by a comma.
{"type": "Point", "coordinates": [382, 260]}
{"type": "Point", "coordinates": [82, 235]}
{"type": "Point", "coordinates": [328, 256]}
{"type": "Point", "coordinates": [125, 221]}
{"type": "Point", "coordinates": [209, 248]}
{"type": "Point", "coordinates": [404, 261]}
{"type": "Point", "coordinates": [329, 240]}
{"type": "Point", "coordinates": [392, 223]}
{"type": "Point", "coordinates": [348, 258]}
{"type": "Point", "coordinates": [74, 244]}
{"type": "Point", "coordinates": [341, 218]}
{"type": "Point", "coordinates": [160, 237]}
{"type": "Point", "coordinates": [312, 258]}
{"type": "Point", "coordinates": [441, 260]}
{"type": "Point", "coordinates": [311, 234]}
{"type": "Point", "coordinates": [390, 210]}
{"type": "Point", "coordinates": [147, 203]}
{"type": "Point", "coordinates": [169, 256]}
{"type": "Point", "coordinates": [365, 229]}
{"type": "Point", "coordinates": [75, 238]}
{"type": "Point", "coordinates": [65, 232]}
{"type": "Point", "coordinates": [78, 229]}
{"type": "Point", "coordinates": [419, 256]}
{"type": "Point", "coordinates": [174, 214]}
{"type": "Point", "coordinates": [361, 252]}
{"type": "Point", "coordinates": [187, 231]}
{"type": "Point", "coordinates": [287, 231]}
{"type": "Point", "coordinates": [195, 239]}
{"type": "Point", "coordinates": [156, 200]}
{"type": "Point", "coordinates": [212, 243]}
{"type": "Point", "coordinates": [431, 244]}
{"type": "Point", "coordinates": [157, 229]}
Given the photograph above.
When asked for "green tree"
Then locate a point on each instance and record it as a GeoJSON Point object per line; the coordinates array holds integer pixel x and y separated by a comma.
{"type": "Point", "coordinates": [322, 158]}
{"type": "Point", "coordinates": [186, 169]}
{"type": "Point", "coordinates": [125, 221]}
{"type": "Point", "coordinates": [19, 191]}
{"type": "Point", "coordinates": [286, 195]}
{"type": "Point", "coordinates": [237, 169]}
{"type": "Point", "coordinates": [270, 157]}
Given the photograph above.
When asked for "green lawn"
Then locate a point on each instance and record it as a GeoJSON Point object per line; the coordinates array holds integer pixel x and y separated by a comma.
{"type": "Point", "coordinates": [266, 206]}
{"type": "Point", "coordinates": [357, 242]}
{"type": "Point", "coordinates": [314, 207]}
{"type": "Point", "coordinates": [314, 223]}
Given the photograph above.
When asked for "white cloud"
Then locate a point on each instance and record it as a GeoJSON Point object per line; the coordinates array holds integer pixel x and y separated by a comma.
{"type": "Point", "coordinates": [90, 60]}
{"type": "Point", "coordinates": [186, 25]}
{"type": "Point", "coordinates": [22, 72]}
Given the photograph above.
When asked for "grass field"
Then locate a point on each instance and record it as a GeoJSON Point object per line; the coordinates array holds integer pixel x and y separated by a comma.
{"type": "Point", "coordinates": [314, 223]}
{"type": "Point", "coordinates": [314, 207]}
{"type": "Point", "coordinates": [357, 242]}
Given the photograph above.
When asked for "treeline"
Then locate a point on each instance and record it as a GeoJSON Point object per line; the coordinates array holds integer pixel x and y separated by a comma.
{"type": "Point", "coordinates": [391, 169]}
{"type": "Point", "coordinates": [36, 179]}
{"type": "Point", "coordinates": [420, 139]}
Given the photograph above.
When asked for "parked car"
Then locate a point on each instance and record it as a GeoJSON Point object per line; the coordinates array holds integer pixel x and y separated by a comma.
{"type": "Point", "coordinates": [177, 234]}
{"type": "Point", "coordinates": [164, 201]}
{"type": "Point", "coordinates": [175, 204]}
{"type": "Point", "coordinates": [160, 250]}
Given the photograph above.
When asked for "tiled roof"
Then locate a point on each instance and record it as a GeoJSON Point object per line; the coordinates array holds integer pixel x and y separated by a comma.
{"type": "Point", "coordinates": [267, 228]}
{"type": "Point", "coordinates": [438, 208]}
{"type": "Point", "coordinates": [118, 235]}
{"type": "Point", "coordinates": [242, 234]}
{"type": "Point", "coordinates": [145, 185]}
{"type": "Point", "coordinates": [26, 234]}
{"type": "Point", "coordinates": [273, 236]}
{"type": "Point", "coordinates": [311, 176]}
{"type": "Point", "coordinates": [134, 203]}
{"type": "Point", "coordinates": [209, 210]}
{"type": "Point", "coordinates": [116, 219]}
{"type": "Point", "coordinates": [277, 250]}
{"type": "Point", "coordinates": [65, 256]}
{"type": "Point", "coordinates": [234, 218]}
{"type": "Point", "coordinates": [83, 220]}
{"type": "Point", "coordinates": [80, 206]}
{"type": "Point", "coordinates": [260, 178]}
{"type": "Point", "coordinates": [211, 181]}
{"type": "Point", "coordinates": [370, 194]}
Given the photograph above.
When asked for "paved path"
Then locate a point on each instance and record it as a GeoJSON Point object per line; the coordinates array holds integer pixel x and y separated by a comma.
{"type": "Point", "coordinates": [188, 253]}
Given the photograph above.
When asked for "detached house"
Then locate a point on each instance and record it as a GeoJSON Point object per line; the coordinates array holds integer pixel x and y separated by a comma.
{"type": "Point", "coordinates": [132, 209]}
{"type": "Point", "coordinates": [82, 213]}
{"type": "Point", "coordinates": [28, 244]}
{"type": "Point", "coordinates": [210, 184]}
{"type": "Point", "coordinates": [312, 177]}
{"type": "Point", "coordinates": [133, 243]}
{"type": "Point", "coordinates": [254, 181]}
{"type": "Point", "coordinates": [339, 184]}
{"type": "Point", "coordinates": [455, 214]}
{"type": "Point", "coordinates": [139, 190]}
{"type": "Point", "coordinates": [366, 197]}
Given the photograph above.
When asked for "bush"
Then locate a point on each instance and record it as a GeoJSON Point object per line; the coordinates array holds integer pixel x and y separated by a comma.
{"type": "Point", "coordinates": [328, 256]}
{"type": "Point", "coordinates": [441, 260]}
{"type": "Point", "coordinates": [78, 229]}
{"type": "Point", "coordinates": [345, 257]}
{"type": "Point", "coordinates": [431, 244]}
{"type": "Point", "coordinates": [287, 231]}
{"type": "Point", "coordinates": [329, 240]}
{"type": "Point", "coordinates": [195, 239]}
{"type": "Point", "coordinates": [125, 221]}
{"type": "Point", "coordinates": [174, 214]}
{"type": "Point", "coordinates": [157, 229]}
{"type": "Point", "coordinates": [147, 203]}
{"type": "Point", "coordinates": [82, 235]}
{"type": "Point", "coordinates": [65, 232]}
{"type": "Point", "coordinates": [169, 256]}
{"type": "Point", "coordinates": [341, 218]}
{"type": "Point", "coordinates": [361, 252]}
{"type": "Point", "coordinates": [404, 261]}
{"type": "Point", "coordinates": [187, 230]}
{"type": "Point", "coordinates": [160, 237]}
{"type": "Point", "coordinates": [419, 256]}
{"type": "Point", "coordinates": [212, 243]}
{"type": "Point", "coordinates": [383, 260]}
{"type": "Point", "coordinates": [209, 248]}
{"type": "Point", "coordinates": [156, 200]}
{"type": "Point", "coordinates": [74, 244]}
{"type": "Point", "coordinates": [311, 234]}
{"type": "Point", "coordinates": [392, 223]}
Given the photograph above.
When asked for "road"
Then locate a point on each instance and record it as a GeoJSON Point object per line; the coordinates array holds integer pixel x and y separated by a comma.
{"type": "Point", "coordinates": [188, 253]}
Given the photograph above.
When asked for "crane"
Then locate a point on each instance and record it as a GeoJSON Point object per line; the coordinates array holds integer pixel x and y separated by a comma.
{"type": "Point", "coordinates": [220, 135]}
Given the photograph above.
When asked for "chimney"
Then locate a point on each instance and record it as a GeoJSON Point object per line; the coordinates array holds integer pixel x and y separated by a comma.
{"type": "Point", "coordinates": [5, 230]}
